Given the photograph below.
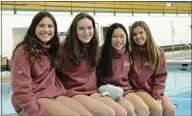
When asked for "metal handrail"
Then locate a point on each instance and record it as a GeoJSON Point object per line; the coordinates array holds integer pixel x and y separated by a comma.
{"type": "Point", "coordinates": [180, 46]}
{"type": "Point", "coordinates": [186, 45]}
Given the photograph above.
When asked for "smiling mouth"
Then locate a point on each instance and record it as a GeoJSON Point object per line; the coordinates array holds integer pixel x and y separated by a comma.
{"type": "Point", "coordinates": [118, 44]}
{"type": "Point", "coordinates": [45, 34]}
{"type": "Point", "coordinates": [139, 40]}
{"type": "Point", "coordinates": [87, 37]}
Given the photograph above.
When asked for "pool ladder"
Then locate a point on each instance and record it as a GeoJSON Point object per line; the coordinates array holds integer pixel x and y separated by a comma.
{"type": "Point", "coordinates": [183, 52]}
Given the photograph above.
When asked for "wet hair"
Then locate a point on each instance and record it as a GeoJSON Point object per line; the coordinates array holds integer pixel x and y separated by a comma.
{"type": "Point", "coordinates": [152, 49]}
{"type": "Point", "coordinates": [105, 63]}
{"type": "Point", "coordinates": [31, 42]}
{"type": "Point", "coordinates": [72, 43]}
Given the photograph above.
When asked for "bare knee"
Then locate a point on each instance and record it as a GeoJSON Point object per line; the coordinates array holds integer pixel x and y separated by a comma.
{"type": "Point", "coordinates": [106, 111]}
{"type": "Point", "coordinates": [156, 110]}
{"type": "Point", "coordinates": [101, 110]}
{"type": "Point", "coordinates": [110, 112]}
{"type": "Point", "coordinates": [143, 111]}
{"type": "Point", "coordinates": [169, 111]}
{"type": "Point", "coordinates": [130, 111]}
{"type": "Point", "coordinates": [121, 111]}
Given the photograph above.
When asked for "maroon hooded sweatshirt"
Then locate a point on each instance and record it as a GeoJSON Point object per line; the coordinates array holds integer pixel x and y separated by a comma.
{"type": "Point", "coordinates": [77, 79]}
{"type": "Point", "coordinates": [32, 80]}
{"type": "Point", "coordinates": [152, 82]}
{"type": "Point", "coordinates": [121, 68]}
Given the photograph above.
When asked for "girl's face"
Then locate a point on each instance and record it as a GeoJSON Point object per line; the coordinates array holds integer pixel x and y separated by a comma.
{"type": "Point", "coordinates": [85, 30]}
{"type": "Point", "coordinates": [139, 35]}
{"type": "Point", "coordinates": [118, 39]}
{"type": "Point", "coordinates": [45, 30]}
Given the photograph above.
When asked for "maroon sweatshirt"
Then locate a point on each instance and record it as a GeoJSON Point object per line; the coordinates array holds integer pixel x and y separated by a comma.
{"type": "Point", "coordinates": [121, 68]}
{"type": "Point", "coordinates": [152, 82]}
{"type": "Point", "coordinates": [32, 80]}
{"type": "Point", "coordinates": [77, 79]}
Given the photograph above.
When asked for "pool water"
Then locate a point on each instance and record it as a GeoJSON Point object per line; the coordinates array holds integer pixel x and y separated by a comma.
{"type": "Point", "coordinates": [178, 88]}
{"type": "Point", "coordinates": [183, 101]}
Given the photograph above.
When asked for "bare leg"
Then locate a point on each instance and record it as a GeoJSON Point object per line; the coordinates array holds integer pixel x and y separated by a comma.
{"type": "Point", "coordinates": [97, 108]}
{"type": "Point", "coordinates": [168, 107]}
{"type": "Point", "coordinates": [119, 110]}
{"type": "Point", "coordinates": [55, 108]}
{"type": "Point", "coordinates": [74, 105]}
{"type": "Point", "coordinates": [128, 106]}
{"type": "Point", "coordinates": [155, 107]}
{"type": "Point", "coordinates": [141, 109]}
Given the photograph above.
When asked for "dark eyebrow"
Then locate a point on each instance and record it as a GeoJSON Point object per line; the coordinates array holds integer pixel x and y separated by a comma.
{"type": "Point", "coordinates": [80, 26]}
{"type": "Point", "coordinates": [50, 23]}
{"type": "Point", "coordinates": [44, 24]}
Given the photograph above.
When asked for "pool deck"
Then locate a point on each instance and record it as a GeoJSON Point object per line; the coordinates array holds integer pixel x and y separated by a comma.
{"type": "Point", "coordinates": [12, 114]}
{"type": "Point", "coordinates": [175, 57]}
{"type": "Point", "coordinates": [178, 57]}
{"type": "Point", "coordinates": [178, 54]}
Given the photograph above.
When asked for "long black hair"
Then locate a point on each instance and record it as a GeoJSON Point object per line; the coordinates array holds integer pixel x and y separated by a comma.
{"type": "Point", "coordinates": [105, 63]}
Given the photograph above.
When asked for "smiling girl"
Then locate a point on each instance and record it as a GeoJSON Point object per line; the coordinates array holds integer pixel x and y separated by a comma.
{"type": "Point", "coordinates": [79, 58]}
{"type": "Point", "coordinates": [149, 73]}
{"type": "Point", "coordinates": [114, 67]}
{"type": "Point", "coordinates": [36, 89]}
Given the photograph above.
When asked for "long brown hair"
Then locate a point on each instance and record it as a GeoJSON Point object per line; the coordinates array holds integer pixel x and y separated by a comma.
{"type": "Point", "coordinates": [152, 49]}
{"type": "Point", "coordinates": [31, 43]}
{"type": "Point", "coordinates": [72, 43]}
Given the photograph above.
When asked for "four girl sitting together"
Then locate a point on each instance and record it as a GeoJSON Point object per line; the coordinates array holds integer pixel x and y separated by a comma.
{"type": "Point", "coordinates": [51, 78]}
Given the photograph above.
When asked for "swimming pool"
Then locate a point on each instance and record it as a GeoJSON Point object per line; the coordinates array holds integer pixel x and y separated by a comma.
{"type": "Point", "coordinates": [178, 88]}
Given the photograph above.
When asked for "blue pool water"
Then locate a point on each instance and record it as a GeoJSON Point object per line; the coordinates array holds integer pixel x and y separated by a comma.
{"type": "Point", "coordinates": [178, 88]}
{"type": "Point", "coordinates": [183, 100]}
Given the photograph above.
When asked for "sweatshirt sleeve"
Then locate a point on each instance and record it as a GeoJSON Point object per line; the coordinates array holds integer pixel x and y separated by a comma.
{"type": "Point", "coordinates": [22, 85]}
{"type": "Point", "coordinates": [159, 79]}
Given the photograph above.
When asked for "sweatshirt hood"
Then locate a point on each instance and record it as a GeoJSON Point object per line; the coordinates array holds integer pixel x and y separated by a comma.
{"type": "Point", "coordinates": [118, 53]}
{"type": "Point", "coordinates": [44, 48]}
{"type": "Point", "coordinates": [142, 49]}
